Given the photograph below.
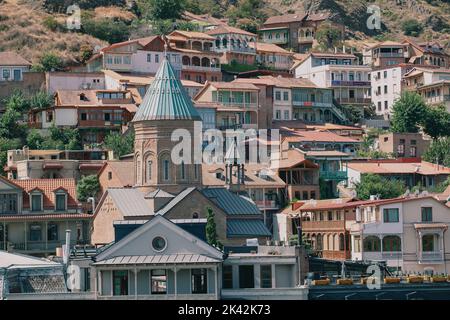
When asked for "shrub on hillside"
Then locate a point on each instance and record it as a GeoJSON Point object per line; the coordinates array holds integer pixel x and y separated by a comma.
{"type": "Point", "coordinates": [107, 30]}
{"type": "Point", "coordinates": [412, 27]}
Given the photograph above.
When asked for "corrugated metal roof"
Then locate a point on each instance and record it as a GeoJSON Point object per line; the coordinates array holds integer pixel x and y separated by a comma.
{"type": "Point", "coordinates": [175, 200]}
{"type": "Point", "coordinates": [230, 202]}
{"type": "Point", "coordinates": [159, 259]}
{"type": "Point", "coordinates": [158, 193]}
{"type": "Point", "coordinates": [166, 99]}
{"type": "Point", "coordinates": [14, 259]}
{"type": "Point", "coordinates": [247, 227]}
{"type": "Point", "coordinates": [130, 202]}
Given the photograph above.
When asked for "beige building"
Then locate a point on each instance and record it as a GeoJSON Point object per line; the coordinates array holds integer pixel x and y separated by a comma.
{"type": "Point", "coordinates": [409, 233]}
{"type": "Point", "coordinates": [403, 145]}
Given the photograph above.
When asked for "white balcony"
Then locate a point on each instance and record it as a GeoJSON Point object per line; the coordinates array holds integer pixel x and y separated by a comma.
{"type": "Point", "coordinates": [200, 68]}
{"type": "Point", "coordinates": [431, 257]}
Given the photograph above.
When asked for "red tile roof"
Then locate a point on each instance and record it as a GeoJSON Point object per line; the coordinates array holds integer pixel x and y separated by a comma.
{"type": "Point", "coordinates": [48, 187]}
{"type": "Point", "coordinates": [10, 58]}
{"type": "Point", "coordinates": [315, 135]}
{"type": "Point", "coordinates": [286, 18]}
{"type": "Point", "coordinates": [380, 167]}
{"type": "Point", "coordinates": [223, 29]}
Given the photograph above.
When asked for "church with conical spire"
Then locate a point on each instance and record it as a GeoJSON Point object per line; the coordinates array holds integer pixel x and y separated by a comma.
{"type": "Point", "coordinates": [166, 107]}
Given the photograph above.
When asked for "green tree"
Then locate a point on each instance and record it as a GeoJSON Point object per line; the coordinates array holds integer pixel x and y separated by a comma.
{"type": "Point", "coordinates": [35, 140]}
{"type": "Point", "coordinates": [328, 36]}
{"type": "Point", "coordinates": [162, 9]}
{"type": "Point", "coordinates": [408, 112]}
{"type": "Point", "coordinates": [9, 124]}
{"type": "Point", "coordinates": [120, 144]}
{"type": "Point", "coordinates": [412, 27]}
{"type": "Point", "coordinates": [41, 100]}
{"type": "Point", "coordinates": [17, 101]}
{"type": "Point", "coordinates": [374, 184]}
{"type": "Point", "coordinates": [211, 232]}
{"type": "Point", "coordinates": [88, 186]}
{"type": "Point", "coordinates": [436, 122]}
{"type": "Point", "coordinates": [49, 62]}
{"type": "Point", "coordinates": [439, 152]}
{"type": "Point", "coordinates": [106, 29]}
{"type": "Point", "coordinates": [353, 114]}
{"type": "Point", "coordinates": [5, 145]}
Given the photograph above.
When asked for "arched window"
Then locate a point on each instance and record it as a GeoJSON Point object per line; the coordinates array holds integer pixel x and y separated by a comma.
{"type": "Point", "coordinates": [319, 242]}
{"type": "Point", "coordinates": [206, 62]}
{"type": "Point", "coordinates": [195, 61]}
{"type": "Point", "coordinates": [428, 242]}
{"type": "Point", "coordinates": [148, 175]}
{"type": "Point", "coordinates": [195, 215]}
{"type": "Point", "coordinates": [238, 43]}
{"type": "Point", "coordinates": [392, 244]}
{"type": "Point", "coordinates": [372, 244]}
{"type": "Point", "coordinates": [217, 43]}
{"type": "Point", "coordinates": [186, 61]}
{"type": "Point", "coordinates": [341, 242]}
{"type": "Point", "coordinates": [224, 42]}
{"type": "Point", "coordinates": [182, 171]}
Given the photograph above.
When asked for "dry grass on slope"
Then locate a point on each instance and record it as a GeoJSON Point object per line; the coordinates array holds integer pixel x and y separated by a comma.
{"type": "Point", "coordinates": [22, 30]}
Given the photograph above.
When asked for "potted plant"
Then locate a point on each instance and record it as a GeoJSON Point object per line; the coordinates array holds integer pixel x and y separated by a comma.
{"type": "Point", "coordinates": [438, 278]}
{"type": "Point", "coordinates": [414, 279]}
{"type": "Point", "coordinates": [321, 282]}
{"type": "Point", "coordinates": [344, 281]}
{"type": "Point", "coordinates": [389, 280]}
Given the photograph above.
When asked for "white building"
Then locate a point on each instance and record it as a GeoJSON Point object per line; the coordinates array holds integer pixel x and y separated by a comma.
{"type": "Point", "coordinates": [340, 72]}
{"type": "Point", "coordinates": [387, 87]}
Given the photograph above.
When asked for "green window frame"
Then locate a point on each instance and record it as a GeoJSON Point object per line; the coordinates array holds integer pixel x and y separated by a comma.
{"type": "Point", "coordinates": [427, 214]}
{"type": "Point", "coordinates": [390, 215]}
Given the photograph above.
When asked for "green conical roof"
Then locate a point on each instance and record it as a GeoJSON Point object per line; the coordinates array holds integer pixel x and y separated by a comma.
{"type": "Point", "coordinates": [166, 99]}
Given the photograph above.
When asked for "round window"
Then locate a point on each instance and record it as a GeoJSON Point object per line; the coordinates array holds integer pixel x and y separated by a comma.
{"type": "Point", "coordinates": [159, 243]}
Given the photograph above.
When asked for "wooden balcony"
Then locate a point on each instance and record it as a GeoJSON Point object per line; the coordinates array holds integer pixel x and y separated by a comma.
{"type": "Point", "coordinates": [99, 123]}
{"type": "Point", "coordinates": [336, 255]}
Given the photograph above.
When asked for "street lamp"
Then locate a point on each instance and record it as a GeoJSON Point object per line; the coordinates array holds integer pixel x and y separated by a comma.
{"type": "Point", "coordinates": [92, 199]}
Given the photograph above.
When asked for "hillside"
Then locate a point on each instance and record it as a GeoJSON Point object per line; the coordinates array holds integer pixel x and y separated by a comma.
{"type": "Point", "coordinates": [434, 15]}
{"type": "Point", "coordinates": [31, 30]}
{"type": "Point", "coordinates": [22, 29]}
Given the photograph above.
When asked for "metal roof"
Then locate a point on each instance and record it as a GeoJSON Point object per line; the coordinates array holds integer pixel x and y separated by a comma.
{"type": "Point", "coordinates": [158, 193]}
{"type": "Point", "coordinates": [230, 202]}
{"type": "Point", "coordinates": [8, 260]}
{"type": "Point", "coordinates": [130, 202]}
{"type": "Point", "coordinates": [172, 203]}
{"type": "Point", "coordinates": [166, 99]}
{"type": "Point", "coordinates": [182, 258]}
{"type": "Point", "coordinates": [247, 227]}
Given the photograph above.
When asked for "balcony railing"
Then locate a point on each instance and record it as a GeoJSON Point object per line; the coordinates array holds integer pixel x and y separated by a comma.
{"type": "Point", "coordinates": [99, 123]}
{"type": "Point", "coordinates": [389, 55]}
{"type": "Point", "coordinates": [44, 245]}
{"type": "Point", "coordinates": [275, 40]}
{"type": "Point", "coordinates": [353, 100]}
{"type": "Point", "coordinates": [230, 126]}
{"type": "Point", "coordinates": [349, 83]}
{"type": "Point", "coordinates": [322, 225]}
{"type": "Point", "coordinates": [267, 204]}
{"type": "Point", "coordinates": [431, 256]}
{"type": "Point", "coordinates": [243, 105]}
{"type": "Point", "coordinates": [305, 39]}
{"type": "Point", "coordinates": [200, 68]}
{"type": "Point", "coordinates": [333, 175]}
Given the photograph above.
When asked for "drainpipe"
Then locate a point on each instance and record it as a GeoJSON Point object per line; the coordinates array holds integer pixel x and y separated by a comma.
{"type": "Point", "coordinates": [66, 248]}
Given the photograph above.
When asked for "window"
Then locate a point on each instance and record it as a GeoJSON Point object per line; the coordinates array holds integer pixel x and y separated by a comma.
{"type": "Point", "coordinates": [351, 94]}
{"type": "Point", "coordinates": [278, 114]}
{"type": "Point", "coordinates": [159, 281]}
{"type": "Point", "coordinates": [266, 276]}
{"type": "Point", "coordinates": [60, 202]}
{"type": "Point", "coordinates": [6, 74]}
{"type": "Point", "coordinates": [159, 244]}
{"type": "Point", "coordinates": [120, 282]}
{"type": "Point", "coordinates": [149, 57]}
{"type": "Point", "coordinates": [35, 232]}
{"type": "Point", "coordinates": [401, 148]}
{"type": "Point", "coordinates": [227, 277]}
{"type": "Point", "coordinates": [285, 96]}
{"type": "Point", "coordinates": [246, 277]}
{"type": "Point", "coordinates": [52, 232]}
{"type": "Point", "coordinates": [109, 175]}
{"type": "Point", "coordinates": [277, 95]}
{"type": "Point", "coordinates": [313, 194]}
{"type": "Point", "coordinates": [305, 195]}
{"type": "Point", "coordinates": [117, 60]}
{"type": "Point", "coordinates": [392, 244]}
{"type": "Point", "coordinates": [127, 60]}
{"type": "Point", "coordinates": [199, 280]}
{"type": "Point", "coordinates": [166, 170]}
{"type": "Point", "coordinates": [49, 116]}
{"type": "Point", "coordinates": [385, 105]}
{"type": "Point", "coordinates": [379, 105]}
{"type": "Point", "coordinates": [157, 58]}
{"type": "Point", "coordinates": [182, 171]}
{"type": "Point", "coordinates": [149, 170]}
{"type": "Point", "coordinates": [372, 244]}
{"type": "Point", "coordinates": [107, 116]}
{"type": "Point", "coordinates": [427, 214]}
{"type": "Point", "coordinates": [36, 202]}
{"type": "Point", "coordinates": [330, 215]}
{"type": "Point", "coordinates": [413, 151]}
{"type": "Point", "coordinates": [385, 74]}
{"type": "Point", "coordinates": [286, 114]}
{"type": "Point", "coordinates": [83, 116]}
{"type": "Point", "coordinates": [8, 203]}
{"type": "Point", "coordinates": [17, 74]}
{"type": "Point", "coordinates": [390, 215]}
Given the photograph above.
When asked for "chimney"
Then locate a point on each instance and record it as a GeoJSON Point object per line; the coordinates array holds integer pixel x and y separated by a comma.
{"type": "Point", "coordinates": [66, 248]}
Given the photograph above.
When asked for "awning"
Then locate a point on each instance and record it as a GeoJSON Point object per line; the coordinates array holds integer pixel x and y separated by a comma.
{"type": "Point", "coordinates": [430, 226]}
{"type": "Point", "coordinates": [182, 258]}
